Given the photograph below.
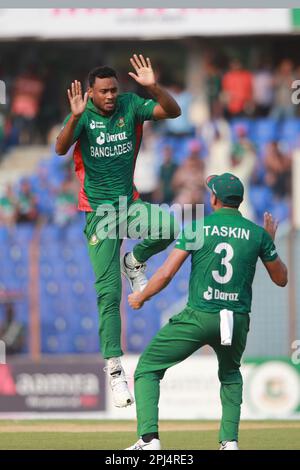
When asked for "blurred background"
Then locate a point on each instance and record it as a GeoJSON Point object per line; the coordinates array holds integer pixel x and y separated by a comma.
{"type": "Point", "coordinates": [231, 71]}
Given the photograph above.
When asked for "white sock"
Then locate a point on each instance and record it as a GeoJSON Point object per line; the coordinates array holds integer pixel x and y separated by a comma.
{"type": "Point", "coordinates": [131, 261]}
{"type": "Point", "coordinates": [114, 364]}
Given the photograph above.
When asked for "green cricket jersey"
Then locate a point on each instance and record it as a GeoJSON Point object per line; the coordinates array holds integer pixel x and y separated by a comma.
{"type": "Point", "coordinates": [107, 148]}
{"type": "Point", "coordinates": [223, 269]}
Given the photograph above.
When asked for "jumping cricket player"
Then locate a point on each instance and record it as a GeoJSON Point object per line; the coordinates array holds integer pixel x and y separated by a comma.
{"type": "Point", "coordinates": [107, 128]}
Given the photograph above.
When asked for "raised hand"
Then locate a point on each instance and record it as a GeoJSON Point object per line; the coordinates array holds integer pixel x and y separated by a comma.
{"type": "Point", "coordinates": [144, 73]}
{"type": "Point", "coordinates": [270, 225]}
{"type": "Point", "coordinates": [77, 103]}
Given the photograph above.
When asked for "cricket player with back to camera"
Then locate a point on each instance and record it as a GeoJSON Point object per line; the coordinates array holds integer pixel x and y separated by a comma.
{"type": "Point", "coordinates": [217, 312]}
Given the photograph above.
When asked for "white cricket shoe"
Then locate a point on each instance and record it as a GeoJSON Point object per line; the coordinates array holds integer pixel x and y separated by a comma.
{"type": "Point", "coordinates": [122, 396]}
{"type": "Point", "coordinates": [120, 391]}
{"type": "Point", "coordinates": [135, 274]}
{"type": "Point", "coordinates": [154, 444]}
{"type": "Point", "coordinates": [229, 445]}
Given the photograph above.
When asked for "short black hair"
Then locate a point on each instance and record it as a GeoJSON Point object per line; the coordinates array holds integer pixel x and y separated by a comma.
{"type": "Point", "coordinates": [232, 206]}
{"type": "Point", "coordinates": [101, 72]}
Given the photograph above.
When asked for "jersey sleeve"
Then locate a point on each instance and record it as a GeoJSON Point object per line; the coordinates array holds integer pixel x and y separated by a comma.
{"type": "Point", "coordinates": [79, 128]}
{"type": "Point", "coordinates": [181, 242]}
{"type": "Point", "coordinates": [268, 250]}
{"type": "Point", "coordinates": [143, 108]}
{"type": "Point", "coordinates": [191, 238]}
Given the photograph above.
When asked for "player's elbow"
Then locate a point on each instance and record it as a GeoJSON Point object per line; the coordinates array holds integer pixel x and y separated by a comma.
{"type": "Point", "coordinates": [281, 279]}
{"type": "Point", "coordinates": [59, 150]}
{"type": "Point", "coordinates": [176, 113]}
{"type": "Point", "coordinates": [278, 272]}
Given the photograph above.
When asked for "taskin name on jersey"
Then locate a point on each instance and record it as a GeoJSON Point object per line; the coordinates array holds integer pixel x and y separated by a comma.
{"type": "Point", "coordinates": [234, 232]}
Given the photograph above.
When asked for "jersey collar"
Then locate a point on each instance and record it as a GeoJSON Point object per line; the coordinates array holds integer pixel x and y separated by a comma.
{"type": "Point", "coordinates": [228, 211]}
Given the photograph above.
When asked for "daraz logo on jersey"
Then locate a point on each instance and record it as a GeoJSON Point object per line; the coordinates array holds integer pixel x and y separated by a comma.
{"type": "Point", "coordinates": [101, 139]}
{"type": "Point", "coordinates": [216, 294]}
{"type": "Point", "coordinates": [107, 138]}
{"type": "Point", "coordinates": [208, 295]}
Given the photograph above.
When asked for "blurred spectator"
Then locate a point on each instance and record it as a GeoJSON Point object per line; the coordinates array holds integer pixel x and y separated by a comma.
{"type": "Point", "coordinates": [219, 154]}
{"type": "Point", "coordinates": [238, 158]}
{"type": "Point", "coordinates": [263, 90]}
{"type": "Point", "coordinates": [243, 161]}
{"type": "Point", "coordinates": [167, 171]}
{"type": "Point", "coordinates": [8, 206]}
{"type": "Point", "coordinates": [278, 170]}
{"type": "Point", "coordinates": [26, 203]}
{"type": "Point", "coordinates": [237, 90]}
{"type": "Point", "coordinates": [12, 332]}
{"type": "Point", "coordinates": [65, 205]}
{"type": "Point", "coordinates": [26, 96]}
{"type": "Point", "coordinates": [189, 182]}
{"type": "Point", "coordinates": [2, 129]}
{"type": "Point", "coordinates": [49, 109]}
{"type": "Point", "coordinates": [297, 77]}
{"type": "Point", "coordinates": [181, 126]}
{"type": "Point", "coordinates": [44, 191]}
{"type": "Point", "coordinates": [242, 144]}
{"type": "Point", "coordinates": [284, 77]}
{"type": "Point", "coordinates": [213, 85]}
{"type": "Point", "coordinates": [216, 124]}
{"type": "Point", "coordinates": [145, 175]}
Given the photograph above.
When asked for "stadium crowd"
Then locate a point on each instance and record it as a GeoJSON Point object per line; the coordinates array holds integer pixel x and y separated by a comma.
{"type": "Point", "coordinates": [247, 123]}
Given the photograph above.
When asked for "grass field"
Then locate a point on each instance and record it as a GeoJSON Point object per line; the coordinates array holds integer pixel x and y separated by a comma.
{"type": "Point", "coordinates": [109, 435]}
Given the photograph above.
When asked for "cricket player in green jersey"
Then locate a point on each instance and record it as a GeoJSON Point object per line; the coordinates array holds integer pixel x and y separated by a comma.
{"type": "Point", "coordinates": [107, 128]}
{"type": "Point", "coordinates": [217, 312]}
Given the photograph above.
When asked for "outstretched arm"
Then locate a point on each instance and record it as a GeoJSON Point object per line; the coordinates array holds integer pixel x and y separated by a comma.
{"type": "Point", "coordinates": [167, 107]}
{"type": "Point", "coordinates": [66, 137]}
{"type": "Point", "coordinates": [160, 279]}
{"type": "Point", "coordinates": [277, 269]}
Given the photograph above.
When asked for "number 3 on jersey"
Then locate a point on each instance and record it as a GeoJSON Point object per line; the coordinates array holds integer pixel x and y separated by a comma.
{"type": "Point", "coordinates": [229, 253]}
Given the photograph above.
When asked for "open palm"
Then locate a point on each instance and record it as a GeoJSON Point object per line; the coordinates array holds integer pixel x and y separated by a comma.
{"type": "Point", "coordinates": [144, 74]}
{"type": "Point", "coordinates": [77, 103]}
{"type": "Point", "coordinates": [270, 225]}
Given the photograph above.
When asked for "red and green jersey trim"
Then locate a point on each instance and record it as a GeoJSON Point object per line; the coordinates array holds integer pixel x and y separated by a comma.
{"type": "Point", "coordinates": [139, 135]}
{"type": "Point", "coordinates": [83, 202]}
